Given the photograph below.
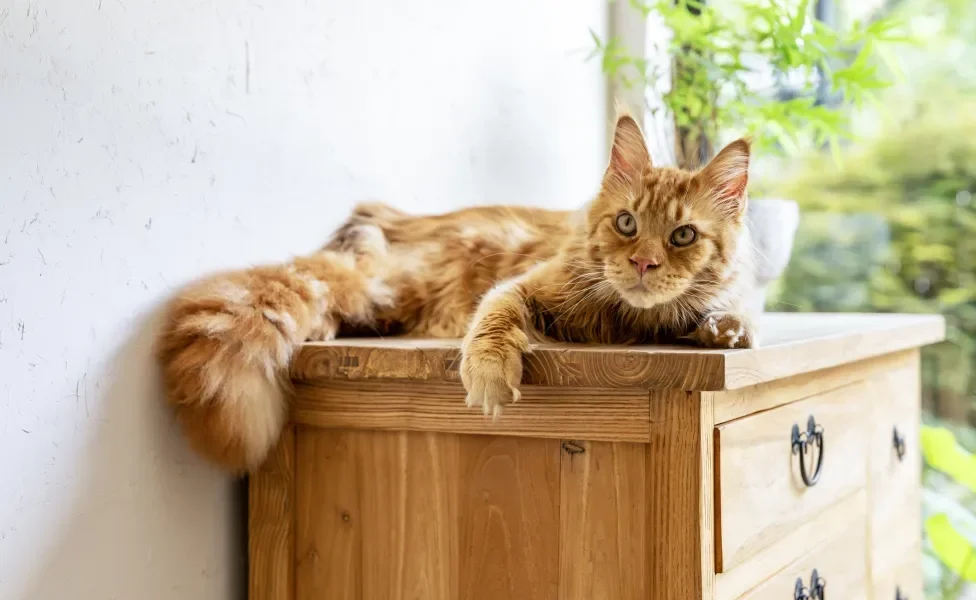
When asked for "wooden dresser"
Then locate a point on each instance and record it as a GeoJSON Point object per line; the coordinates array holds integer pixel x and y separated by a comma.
{"type": "Point", "coordinates": [623, 472]}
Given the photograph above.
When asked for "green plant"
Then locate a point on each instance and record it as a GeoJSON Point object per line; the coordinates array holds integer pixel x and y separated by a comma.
{"type": "Point", "coordinates": [720, 52]}
{"type": "Point", "coordinates": [949, 511]}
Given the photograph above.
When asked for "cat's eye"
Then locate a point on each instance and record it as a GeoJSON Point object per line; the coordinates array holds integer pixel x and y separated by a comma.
{"type": "Point", "coordinates": [626, 223]}
{"type": "Point", "coordinates": [684, 236]}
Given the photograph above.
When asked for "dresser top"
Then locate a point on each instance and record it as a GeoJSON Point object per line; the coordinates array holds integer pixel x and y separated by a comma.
{"type": "Point", "coordinates": [791, 344]}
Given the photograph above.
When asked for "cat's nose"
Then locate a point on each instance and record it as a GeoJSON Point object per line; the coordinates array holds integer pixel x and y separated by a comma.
{"type": "Point", "coordinates": [643, 265]}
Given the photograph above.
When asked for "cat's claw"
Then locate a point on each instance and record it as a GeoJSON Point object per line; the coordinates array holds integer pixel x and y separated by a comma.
{"type": "Point", "coordinates": [490, 383]}
{"type": "Point", "coordinates": [724, 330]}
{"type": "Point", "coordinates": [492, 397]}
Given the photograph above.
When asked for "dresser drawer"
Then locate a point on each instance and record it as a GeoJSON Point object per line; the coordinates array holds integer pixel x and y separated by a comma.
{"type": "Point", "coordinates": [848, 515]}
{"type": "Point", "coordinates": [840, 564]}
{"type": "Point", "coordinates": [761, 494]}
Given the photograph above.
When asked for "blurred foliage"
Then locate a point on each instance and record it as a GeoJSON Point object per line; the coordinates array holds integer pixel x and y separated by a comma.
{"type": "Point", "coordinates": [893, 229]}
{"type": "Point", "coordinates": [949, 511]}
{"type": "Point", "coordinates": [721, 50]}
{"type": "Point", "coordinates": [943, 453]}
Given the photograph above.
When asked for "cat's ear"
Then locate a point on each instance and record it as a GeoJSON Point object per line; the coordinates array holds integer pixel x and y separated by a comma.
{"type": "Point", "coordinates": [727, 176]}
{"type": "Point", "coordinates": [628, 156]}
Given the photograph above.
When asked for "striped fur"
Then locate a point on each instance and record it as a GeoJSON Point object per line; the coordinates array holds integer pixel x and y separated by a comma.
{"type": "Point", "coordinates": [499, 276]}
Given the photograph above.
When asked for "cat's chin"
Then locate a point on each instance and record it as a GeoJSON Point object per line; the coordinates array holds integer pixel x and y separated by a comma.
{"type": "Point", "coordinates": [639, 296]}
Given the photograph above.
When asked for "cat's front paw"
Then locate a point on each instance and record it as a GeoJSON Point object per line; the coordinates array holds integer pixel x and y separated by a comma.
{"type": "Point", "coordinates": [491, 378]}
{"type": "Point", "coordinates": [724, 330]}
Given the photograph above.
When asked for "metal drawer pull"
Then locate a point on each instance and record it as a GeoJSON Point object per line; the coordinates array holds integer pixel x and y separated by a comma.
{"type": "Point", "coordinates": [816, 591]}
{"type": "Point", "coordinates": [818, 586]}
{"type": "Point", "coordinates": [802, 441]}
{"type": "Point", "coordinates": [800, 592]}
{"type": "Point", "coordinates": [899, 441]}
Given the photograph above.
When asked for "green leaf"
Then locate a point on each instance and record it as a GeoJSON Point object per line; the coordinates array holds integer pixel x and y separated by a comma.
{"type": "Point", "coordinates": [941, 451]}
{"type": "Point", "coordinates": [596, 39]}
{"type": "Point", "coordinates": [957, 296]}
{"type": "Point", "coordinates": [951, 546]}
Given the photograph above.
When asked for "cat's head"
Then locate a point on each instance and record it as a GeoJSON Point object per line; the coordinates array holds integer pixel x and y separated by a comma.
{"type": "Point", "coordinates": [659, 231]}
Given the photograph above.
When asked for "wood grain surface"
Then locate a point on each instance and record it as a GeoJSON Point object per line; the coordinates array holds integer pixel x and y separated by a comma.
{"type": "Point", "coordinates": [562, 413]}
{"type": "Point", "coordinates": [602, 551]}
{"type": "Point", "coordinates": [556, 365]}
{"type": "Point", "coordinates": [329, 540]}
{"type": "Point", "coordinates": [680, 533]}
{"type": "Point", "coordinates": [509, 515]}
{"type": "Point", "coordinates": [271, 524]}
{"type": "Point", "coordinates": [405, 515]}
{"type": "Point", "coordinates": [791, 344]}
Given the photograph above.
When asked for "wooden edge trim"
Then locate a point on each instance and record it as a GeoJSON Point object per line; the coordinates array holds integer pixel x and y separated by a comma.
{"type": "Point", "coordinates": [271, 524]}
{"type": "Point", "coordinates": [680, 524]}
{"type": "Point", "coordinates": [717, 496]}
{"type": "Point", "coordinates": [598, 367]}
{"type": "Point", "coordinates": [749, 368]}
{"type": "Point", "coordinates": [734, 404]}
{"type": "Point", "coordinates": [611, 415]}
{"type": "Point", "coordinates": [708, 498]}
{"type": "Point", "coordinates": [663, 368]}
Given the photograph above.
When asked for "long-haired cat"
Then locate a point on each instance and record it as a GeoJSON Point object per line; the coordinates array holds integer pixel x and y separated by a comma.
{"type": "Point", "coordinates": [660, 255]}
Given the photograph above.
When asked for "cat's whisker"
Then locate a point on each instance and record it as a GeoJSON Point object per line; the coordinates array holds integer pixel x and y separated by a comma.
{"type": "Point", "coordinates": [571, 282]}
{"type": "Point", "coordinates": [594, 290]}
{"type": "Point", "coordinates": [505, 253]}
{"type": "Point", "coordinates": [573, 295]}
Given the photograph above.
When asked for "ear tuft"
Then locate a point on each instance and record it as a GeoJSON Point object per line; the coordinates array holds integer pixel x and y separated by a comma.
{"type": "Point", "coordinates": [727, 175]}
{"type": "Point", "coordinates": [628, 156]}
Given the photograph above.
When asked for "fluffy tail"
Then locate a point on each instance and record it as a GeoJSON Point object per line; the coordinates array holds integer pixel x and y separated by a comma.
{"type": "Point", "coordinates": [227, 341]}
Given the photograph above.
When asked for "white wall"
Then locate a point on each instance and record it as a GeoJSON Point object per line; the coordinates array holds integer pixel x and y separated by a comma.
{"type": "Point", "coordinates": [143, 143]}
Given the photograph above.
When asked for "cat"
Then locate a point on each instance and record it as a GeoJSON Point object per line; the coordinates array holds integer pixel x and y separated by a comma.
{"type": "Point", "coordinates": [660, 255]}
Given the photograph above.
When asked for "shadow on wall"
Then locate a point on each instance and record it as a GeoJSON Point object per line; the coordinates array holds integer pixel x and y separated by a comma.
{"type": "Point", "coordinates": [163, 527]}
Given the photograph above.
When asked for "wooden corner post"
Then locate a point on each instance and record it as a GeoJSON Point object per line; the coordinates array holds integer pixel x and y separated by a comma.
{"type": "Point", "coordinates": [271, 524]}
{"type": "Point", "coordinates": [680, 523]}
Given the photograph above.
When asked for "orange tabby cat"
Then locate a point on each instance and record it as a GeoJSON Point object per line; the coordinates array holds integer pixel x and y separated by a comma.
{"type": "Point", "coordinates": [660, 255]}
